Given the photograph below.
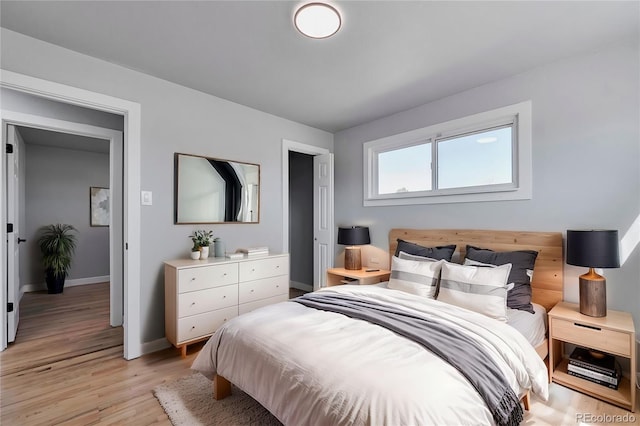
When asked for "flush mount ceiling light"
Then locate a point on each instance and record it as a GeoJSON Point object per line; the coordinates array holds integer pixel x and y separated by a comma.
{"type": "Point", "coordinates": [317, 20]}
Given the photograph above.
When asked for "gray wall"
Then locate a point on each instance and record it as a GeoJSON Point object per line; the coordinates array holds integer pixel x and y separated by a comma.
{"type": "Point", "coordinates": [175, 118]}
{"type": "Point", "coordinates": [301, 217]}
{"type": "Point", "coordinates": [34, 105]}
{"type": "Point", "coordinates": [57, 191]}
{"type": "Point", "coordinates": [586, 161]}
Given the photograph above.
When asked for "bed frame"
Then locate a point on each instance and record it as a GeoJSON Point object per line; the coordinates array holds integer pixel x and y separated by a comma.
{"type": "Point", "coordinates": [547, 282]}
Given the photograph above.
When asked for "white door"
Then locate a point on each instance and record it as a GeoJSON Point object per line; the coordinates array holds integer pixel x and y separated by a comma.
{"type": "Point", "coordinates": [322, 218]}
{"type": "Point", "coordinates": [15, 176]}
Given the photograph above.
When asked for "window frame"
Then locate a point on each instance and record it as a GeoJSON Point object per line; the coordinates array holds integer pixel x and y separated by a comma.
{"type": "Point", "coordinates": [520, 187]}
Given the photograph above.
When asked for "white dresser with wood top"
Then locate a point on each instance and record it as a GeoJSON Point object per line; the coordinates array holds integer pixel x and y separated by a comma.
{"type": "Point", "coordinates": [201, 295]}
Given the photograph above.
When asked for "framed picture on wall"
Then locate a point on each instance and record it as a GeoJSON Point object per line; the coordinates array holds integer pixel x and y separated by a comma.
{"type": "Point", "coordinates": [99, 206]}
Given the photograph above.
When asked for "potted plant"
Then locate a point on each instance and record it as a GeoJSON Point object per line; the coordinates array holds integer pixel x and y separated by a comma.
{"type": "Point", "coordinates": [202, 239]}
{"type": "Point", "coordinates": [195, 250]}
{"type": "Point", "coordinates": [57, 244]}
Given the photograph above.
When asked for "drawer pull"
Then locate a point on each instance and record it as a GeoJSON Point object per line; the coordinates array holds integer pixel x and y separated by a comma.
{"type": "Point", "coordinates": [224, 297]}
{"type": "Point", "coordinates": [587, 326]}
{"type": "Point", "coordinates": [193, 278]}
{"type": "Point", "coordinates": [193, 303]}
{"type": "Point", "coordinates": [277, 285]}
{"type": "Point", "coordinates": [193, 327]}
{"type": "Point", "coordinates": [251, 291]}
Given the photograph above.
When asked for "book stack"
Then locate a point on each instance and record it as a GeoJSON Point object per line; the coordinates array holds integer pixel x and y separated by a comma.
{"type": "Point", "coordinates": [594, 366]}
{"type": "Point", "coordinates": [255, 251]}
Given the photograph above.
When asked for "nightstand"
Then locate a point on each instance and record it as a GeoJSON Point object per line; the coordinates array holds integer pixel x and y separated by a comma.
{"type": "Point", "coordinates": [337, 276]}
{"type": "Point", "coordinates": [613, 334]}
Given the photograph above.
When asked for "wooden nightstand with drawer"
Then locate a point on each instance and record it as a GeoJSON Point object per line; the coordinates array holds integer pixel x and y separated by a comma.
{"type": "Point", "coordinates": [613, 334]}
{"type": "Point", "coordinates": [338, 276]}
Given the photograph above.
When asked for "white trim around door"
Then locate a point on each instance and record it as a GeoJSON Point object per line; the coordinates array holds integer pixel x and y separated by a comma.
{"type": "Point", "coordinates": [287, 146]}
{"type": "Point", "coordinates": [131, 197]}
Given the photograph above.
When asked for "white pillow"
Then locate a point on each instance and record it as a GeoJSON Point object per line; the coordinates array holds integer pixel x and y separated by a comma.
{"type": "Point", "coordinates": [415, 276]}
{"type": "Point", "coordinates": [407, 256]}
{"type": "Point", "coordinates": [469, 262]}
{"type": "Point", "coordinates": [476, 288]}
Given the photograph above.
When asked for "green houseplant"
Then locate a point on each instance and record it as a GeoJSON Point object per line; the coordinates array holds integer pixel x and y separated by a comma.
{"type": "Point", "coordinates": [202, 239]}
{"type": "Point", "coordinates": [57, 244]}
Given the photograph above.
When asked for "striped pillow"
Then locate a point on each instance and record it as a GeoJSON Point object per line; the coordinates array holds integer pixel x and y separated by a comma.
{"type": "Point", "coordinates": [476, 288]}
{"type": "Point", "coordinates": [415, 277]}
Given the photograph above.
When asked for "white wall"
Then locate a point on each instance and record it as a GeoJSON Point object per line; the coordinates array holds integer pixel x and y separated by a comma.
{"type": "Point", "coordinates": [57, 189]}
{"type": "Point", "coordinates": [586, 161]}
{"type": "Point", "coordinates": [175, 119]}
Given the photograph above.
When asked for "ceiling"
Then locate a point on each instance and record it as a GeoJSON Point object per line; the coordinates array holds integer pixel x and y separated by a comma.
{"type": "Point", "coordinates": [50, 138]}
{"type": "Point", "coordinates": [388, 56]}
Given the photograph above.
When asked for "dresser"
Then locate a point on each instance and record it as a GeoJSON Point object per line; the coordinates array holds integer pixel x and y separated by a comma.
{"type": "Point", "coordinates": [201, 295]}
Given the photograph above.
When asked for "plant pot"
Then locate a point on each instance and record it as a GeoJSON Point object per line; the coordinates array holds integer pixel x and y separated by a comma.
{"type": "Point", "coordinates": [55, 283]}
{"type": "Point", "coordinates": [195, 255]}
{"type": "Point", "coordinates": [204, 252]}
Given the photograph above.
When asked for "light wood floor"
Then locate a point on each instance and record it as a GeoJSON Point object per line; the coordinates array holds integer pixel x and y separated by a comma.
{"type": "Point", "coordinates": [66, 367]}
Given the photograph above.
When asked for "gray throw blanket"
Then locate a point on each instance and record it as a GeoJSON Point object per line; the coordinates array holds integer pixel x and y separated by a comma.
{"type": "Point", "coordinates": [462, 352]}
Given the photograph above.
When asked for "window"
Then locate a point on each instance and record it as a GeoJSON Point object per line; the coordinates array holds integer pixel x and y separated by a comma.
{"type": "Point", "coordinates": [484, 157]}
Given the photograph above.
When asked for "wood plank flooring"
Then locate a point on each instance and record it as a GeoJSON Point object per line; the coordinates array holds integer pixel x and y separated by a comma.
{"type": "Point", "coordinates": [66, 368]}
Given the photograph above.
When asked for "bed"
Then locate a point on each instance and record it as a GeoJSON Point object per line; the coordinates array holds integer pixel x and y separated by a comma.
{"type": "Point", "coordinates": [308, 365]}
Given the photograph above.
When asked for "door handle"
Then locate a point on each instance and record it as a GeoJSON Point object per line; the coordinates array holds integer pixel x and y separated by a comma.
{"type": "Point", "coordinates": [21, 240]}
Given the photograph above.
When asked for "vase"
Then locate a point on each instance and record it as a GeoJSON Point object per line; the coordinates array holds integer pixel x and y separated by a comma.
{"type": "Point", "coordinates": [218, 248]}
{"type": "Point", "coordinates": [195, 255]}
{"type": "Point", "coordinates": [204, 252]}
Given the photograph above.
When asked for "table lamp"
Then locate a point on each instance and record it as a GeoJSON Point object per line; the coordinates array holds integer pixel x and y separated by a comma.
{"type": "Point", "coordinates": [593, 249]}
{"type": "Point", "coordinates": [353, 236]}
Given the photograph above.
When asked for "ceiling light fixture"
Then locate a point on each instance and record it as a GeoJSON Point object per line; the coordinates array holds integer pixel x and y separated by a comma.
{"type": "Point", "coordinates": [317, 20]}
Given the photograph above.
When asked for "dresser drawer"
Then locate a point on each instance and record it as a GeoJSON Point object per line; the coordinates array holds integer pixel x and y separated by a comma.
{"type": "Point", "coordinates": [197, 302]}
{"type": "Point", "coordinates": [261, 289]}
{"type": "Point", "coordinates": [193, 279]}
{"type": "Point", "coordinates": [264, 268]}
{"type": "Point", "coordinates": [610, 341]}
{"type": "Point", "coordinates": [196, 326]}
{"type": "Point", "coordinates": [243, 308]}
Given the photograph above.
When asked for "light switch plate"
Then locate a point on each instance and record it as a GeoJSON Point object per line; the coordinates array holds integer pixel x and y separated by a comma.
{"type": "Point", "coordinates": [146, 198]}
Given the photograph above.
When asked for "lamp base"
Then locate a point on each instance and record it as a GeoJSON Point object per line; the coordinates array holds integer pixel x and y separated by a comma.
{"type": "Point", "coordinates": [593, 294]}
{"type": "Point", "coordinates": [352, 258]}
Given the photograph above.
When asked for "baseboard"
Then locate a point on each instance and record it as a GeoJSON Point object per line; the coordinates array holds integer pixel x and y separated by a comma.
{"type": "Point", "coordinates": [67, 283]}
{"type": "Point", "coordinates": [300, 286]}
{"type": "Point", "coordinates": [155, 346]}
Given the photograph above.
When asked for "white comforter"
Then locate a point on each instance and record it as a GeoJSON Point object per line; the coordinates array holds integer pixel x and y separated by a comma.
{"type": "Point", "coordinates": [311, 367]}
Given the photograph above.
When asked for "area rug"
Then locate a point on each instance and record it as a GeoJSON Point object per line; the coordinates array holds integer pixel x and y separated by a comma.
{"type": "Point", "coordinates": [189, 401]}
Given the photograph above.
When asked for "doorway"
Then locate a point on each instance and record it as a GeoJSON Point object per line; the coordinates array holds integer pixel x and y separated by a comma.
{"type": "Point", "coordinates": [321, 208]}
{"type": "Point", "coordinates": [62, 167]}
{"type": "Point", "coordinates": [130, 111]}
{"type": "Point", "coordinates": [300, 222]}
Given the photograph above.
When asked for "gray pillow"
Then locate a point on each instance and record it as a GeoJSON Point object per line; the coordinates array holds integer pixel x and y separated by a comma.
{"type": "Point", "coordinates": [522, 262]}
{"type": "Point", "coordinates": [437, 253]}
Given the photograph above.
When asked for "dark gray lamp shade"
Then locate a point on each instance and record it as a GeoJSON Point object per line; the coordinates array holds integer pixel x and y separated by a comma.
{"type": "Point", "coordinates": [593, 248]}
{"type": "Point", "coordinates": [354, 236]}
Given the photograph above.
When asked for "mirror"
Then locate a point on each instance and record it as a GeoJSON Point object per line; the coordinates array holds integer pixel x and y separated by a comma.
{"type": "Point", "coordinates": [212, 190]}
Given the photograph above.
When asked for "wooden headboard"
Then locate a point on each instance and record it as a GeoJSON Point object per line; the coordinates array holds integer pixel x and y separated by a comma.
{"type": "Point", "coordinates": [547, 283]}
